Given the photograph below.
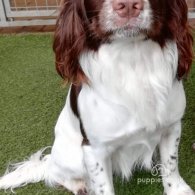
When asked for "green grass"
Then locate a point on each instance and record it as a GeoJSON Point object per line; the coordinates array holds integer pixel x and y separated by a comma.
{"type": "Point", "coordinates": [31, 98]}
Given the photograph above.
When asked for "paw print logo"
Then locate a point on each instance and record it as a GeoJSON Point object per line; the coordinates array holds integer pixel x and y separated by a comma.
{"type": "Point", "coordinates": [160, 170]}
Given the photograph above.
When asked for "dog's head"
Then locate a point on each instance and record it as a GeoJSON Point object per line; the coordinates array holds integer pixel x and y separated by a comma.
{"type": "Point", "coordinates": [86, 24]}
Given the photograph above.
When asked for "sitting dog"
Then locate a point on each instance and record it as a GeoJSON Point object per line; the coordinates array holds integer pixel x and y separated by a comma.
{"type": "Point", "coordinates": [125, 60]}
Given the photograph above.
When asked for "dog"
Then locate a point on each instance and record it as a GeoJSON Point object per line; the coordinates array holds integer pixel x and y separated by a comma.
{"type": "Point", "coordinates": [125, 60]}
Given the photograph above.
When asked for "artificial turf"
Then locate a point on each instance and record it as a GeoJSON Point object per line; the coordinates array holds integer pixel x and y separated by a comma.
{"type": "Point", "coordinates": [31, 98]}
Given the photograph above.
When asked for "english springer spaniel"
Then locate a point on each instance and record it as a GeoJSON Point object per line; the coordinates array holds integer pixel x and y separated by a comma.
{"type": "Point", "coordinates": [125, 60]}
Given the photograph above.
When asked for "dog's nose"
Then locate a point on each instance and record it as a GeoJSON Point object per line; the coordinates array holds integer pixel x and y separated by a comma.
{"type": "Point", "coordinates": [128, 8]}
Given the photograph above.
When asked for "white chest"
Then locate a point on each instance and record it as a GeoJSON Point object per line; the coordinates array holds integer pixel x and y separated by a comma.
{"type": "Point", "coordinates": [129, 87]}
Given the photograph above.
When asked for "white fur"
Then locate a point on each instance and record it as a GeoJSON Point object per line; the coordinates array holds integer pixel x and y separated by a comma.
{"type": "Point", "coordinates": [30, 171]}
{"type": "Point", "coordinates": [130, 126]}
{"type": "Point", "coordinates": [132, 103]}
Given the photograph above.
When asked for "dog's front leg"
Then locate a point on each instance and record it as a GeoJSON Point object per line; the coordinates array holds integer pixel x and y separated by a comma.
{"type": "Point", "coordinates": [172, 181]}
{"type": "Point", "coordinates": [99, 169]}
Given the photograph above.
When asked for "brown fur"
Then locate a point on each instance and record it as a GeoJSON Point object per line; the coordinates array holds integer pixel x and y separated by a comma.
{"type": "Point", "coordinates": [78, 29]}
{"type": "Point", "coordinates": [171, 23]}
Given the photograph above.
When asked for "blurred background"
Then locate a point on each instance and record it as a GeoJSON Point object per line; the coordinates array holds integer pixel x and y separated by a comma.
{"type": "Point", "coordinates": [28, 15]}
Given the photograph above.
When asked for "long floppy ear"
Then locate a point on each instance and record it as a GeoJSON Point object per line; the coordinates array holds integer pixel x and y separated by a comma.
{"type": "Point", "coordinates": [182, 32]}
{"type": "Point", "coordinates": [70, 40]}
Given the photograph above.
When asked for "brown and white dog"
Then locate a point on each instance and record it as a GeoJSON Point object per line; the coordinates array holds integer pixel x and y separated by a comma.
{"type": "Point", "coordinates": [125, 60]}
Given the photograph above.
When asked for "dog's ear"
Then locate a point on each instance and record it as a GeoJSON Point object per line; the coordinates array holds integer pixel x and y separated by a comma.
{"type": "Point", "coordinates": [182, 32]}
{"type": "Point", "coordinates": [70, 40]}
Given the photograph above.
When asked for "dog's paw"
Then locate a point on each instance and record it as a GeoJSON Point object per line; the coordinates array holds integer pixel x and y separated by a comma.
{"type": "Point", "coordinates": [178, 187]}
{"type": "Point", "coordinates": [188, 192]}
{"type": "Point", "coordinates": [181, 193]}
{"type": "Point", "coordinates": [181, 190]}
{"type": "Point", "coordinates": [76, 186]}
{"type": "Point", "coordinates": [82, 192]}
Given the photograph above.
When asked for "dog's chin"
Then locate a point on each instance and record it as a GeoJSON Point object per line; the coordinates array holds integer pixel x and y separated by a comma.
{"type": "Point", "coordinates": [134, 33]}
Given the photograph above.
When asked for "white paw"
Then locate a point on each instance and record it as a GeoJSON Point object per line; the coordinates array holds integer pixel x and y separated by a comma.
{"type": "Point", "coordinates": [76, 186]}
{"type": "Point", "coordinates": [180, 188]}
{"type": "Point", "coordinates": [190, 192]}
